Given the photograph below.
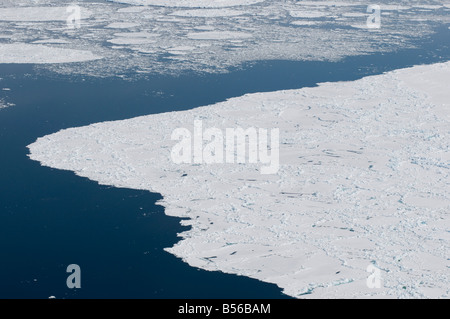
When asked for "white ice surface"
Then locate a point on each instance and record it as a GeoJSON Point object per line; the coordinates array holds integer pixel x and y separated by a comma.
{"type": "Point", "coordinates": [36, 53]}
{"type": "Point", "coordinates": [218, 35]}
{"type": "Point", "coordinates": [122, 25]}
{"type": "Point", "coordinates": [51, 41]}
{"type": "Point", "coordinates": [208, 13]}
{"type": "Point", "coordinates": [307, 14]}
{"type": "Point", "coordinates": [364, 179]}
{"type": "Point", "coordinates": [304, 23]}
{"type": "Point", "coordinates": [39, 14]}
{"type": "Point", "coordinates": [191, 3]}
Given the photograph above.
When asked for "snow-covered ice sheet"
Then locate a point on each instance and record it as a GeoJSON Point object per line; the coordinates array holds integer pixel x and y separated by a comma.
{"type": "Point", "coordinates": [363, 180]}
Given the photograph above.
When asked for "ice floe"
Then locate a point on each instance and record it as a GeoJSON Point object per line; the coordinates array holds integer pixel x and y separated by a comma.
{"type": "Point", "coordinates": [363, 183]}
{"type": "Point", "coordinates": [134, 38]}
{"type": "Point", "coordinates": [307, 14]}
{"type": "Point", "coordinates": [191, 3]}
{"type": "Point", "coordinates": [51, 41]}
{"type": "Point", "coordinates": [36, 53]}
{"type": "Point", "coordinates": [218, 35]}
{"type": "Point", "coordinates": [39, 14]}
{"type": "Point", "coordinates": [122, 25]}
{"type": "Point", "coordinates": [208, 13]}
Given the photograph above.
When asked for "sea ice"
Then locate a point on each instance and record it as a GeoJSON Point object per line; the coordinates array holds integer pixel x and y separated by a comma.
{"type": "Point", "coordinates": [363, 183]}
{"type": "Point", "coordinates": [191, 3]}
{"type": "Point", "coordinates": [268, 30]}
{"type": "Point", "coordinates": [36, 53]}
{"type": "Point", "coordinates": [39, 14]}
{"type": "Point", "coordinates": [218, 35]}
{"type": "Point", "coordinates": [122, 25]}
{"type": "Point", "coordinates": [208, 13]}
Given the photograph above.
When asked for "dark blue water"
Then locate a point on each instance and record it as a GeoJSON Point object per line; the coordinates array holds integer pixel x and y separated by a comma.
{"type": "Point", "coordinates": [50, 218]}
